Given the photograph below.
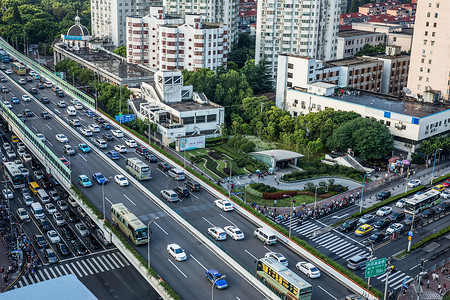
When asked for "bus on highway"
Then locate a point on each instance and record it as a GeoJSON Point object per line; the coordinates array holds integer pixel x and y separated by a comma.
{"type": "Point", "coordinates": [18, 68]}
{"type": "Point", "coordinates": [138, 168]}
{"type": "Point", "coordinates": [282, 281]}
{"type": "Point", "coordinates": [421, 202]}
{"type": "Point", "coordinates": [4, 56]}
{"type": "Point", "coordinates": [14, 175]}
{"type": "Point", "coordinates": [130, 225]}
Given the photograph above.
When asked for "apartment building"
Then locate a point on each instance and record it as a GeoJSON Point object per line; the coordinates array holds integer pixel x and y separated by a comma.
{"type": "Point", "coordinates": [350, 18]}
{"type": "Point", "coordinates": [429, 76]}
{"type": "Point", "coordinates": [224, 12]}
{"type": "Point", "coordinates": [108, 18]}
{"type": "Point", "coordinates": [373, 9]}
{"type": "Point", "coordinates": [247, 14]}
{"type": "Point", "coordinates": [307, 28]}
{"type": "Point", "coordinates": [172, 42]}
{"type": "Point", "coordinates": [395, 71]}
{"type": "Point", "coordinates": [352, 41]}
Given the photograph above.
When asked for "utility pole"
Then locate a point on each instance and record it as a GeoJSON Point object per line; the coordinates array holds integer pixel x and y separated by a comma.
{"type": "Point", "coordinates": [419, 286]}
{"type": "Point", "coordinates": [412, 227]}
{"type": "Point", "coordinates": [388, 266]}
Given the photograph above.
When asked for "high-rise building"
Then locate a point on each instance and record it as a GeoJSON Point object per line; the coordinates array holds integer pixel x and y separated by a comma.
{"type": "Point", "coordinates": [108, 18]}
{"type": "Point", "coordinates": [429, 74]}
{"type": "Point", "coordinates": [225, 12]}
{"type": "Point", "coordinates": [175, 42]}
{"type": "Point", "coordinates": [301, 27]}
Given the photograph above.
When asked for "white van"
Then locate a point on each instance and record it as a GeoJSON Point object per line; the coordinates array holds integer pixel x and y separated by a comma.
{"type": "Point", "coordinates": [265, 235]}
{"type": "Point", "coordinates": [71, 110]}
{"type": "Point", "coordinates": [176, 174]}
{"type": "Point", "coordinates": [36, 209]}
{"type": "Point", "coordinates": [43, 196]}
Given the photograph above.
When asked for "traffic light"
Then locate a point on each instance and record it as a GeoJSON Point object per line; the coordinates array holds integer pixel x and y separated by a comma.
{"type": "Point", "coordinates": [422, 263]}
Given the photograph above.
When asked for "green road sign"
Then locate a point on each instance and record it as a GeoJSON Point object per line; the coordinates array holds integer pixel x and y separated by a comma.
{"type": "Point", "coordinates": [375, 267]}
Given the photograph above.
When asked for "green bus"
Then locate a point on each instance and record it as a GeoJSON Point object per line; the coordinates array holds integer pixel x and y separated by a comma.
{"type": "Point", "coordinates": [420, 202]}
{"type": "Point", "coordinates": [138, 168]}
{"type": "Point", "coordinates": [130, 225]}
{"type": "Point", "coordinates": [282, 281]}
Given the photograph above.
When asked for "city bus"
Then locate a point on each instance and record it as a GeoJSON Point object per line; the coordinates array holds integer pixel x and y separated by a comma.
{"type": "Point", "coordinates": [4, 56]}
{"type": "Point", "coordinates": [18, 68]}
{"type": "Point", "coordinates": [130, 225]}
{"type": "Point", "coordinates": [282, 281]}
{"type": "Point", "coordinates": [14, 175]}
{"type": "Point", "coordinates": [421, 202]}
{"type": "Point", "coordinates": [138, 168]}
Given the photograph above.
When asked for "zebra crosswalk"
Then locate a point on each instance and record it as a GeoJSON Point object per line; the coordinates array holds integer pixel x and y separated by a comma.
{"type": "Point", "coordinates": [80, 268]}
{"type": "Point", "coordinates": [306, 228]}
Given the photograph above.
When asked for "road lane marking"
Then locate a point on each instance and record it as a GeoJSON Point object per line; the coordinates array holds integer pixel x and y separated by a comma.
{"type": "Point", "coordinates": [250, 254]}
{"type": "Point", "coordinates": [339, 217]}
{"type": "Point", "coordinates": [162, 172]}
{"type": "Point", "coordinates": [267, 249]}
{"type": "Point", "coordinates": [326, 292]}
{"type": "Point", "coordinates": [161, 228]}
{"type": "Point", "coordinates": [129, 199]}
{"type": "Point", "coordinates": [34, 127]}
{"type": "Point", "coordinates": [108, 200]}
{"type": "Point", "coordinates": [82, 157]}
{"type": "Point", "coordinates": [198, 262]}
{"type": "Point", "coordinates": [192, 194]}
{"type": "Point", "coordinates": [208, 222]}
{"type": "Point", "coordinates": [50, 143]}
{"type": "Point", "coordinates": [177, 268]}
{"type": "Point", "coordinates": [227, 220]}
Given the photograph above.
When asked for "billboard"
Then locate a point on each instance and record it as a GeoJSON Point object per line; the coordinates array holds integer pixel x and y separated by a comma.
{"type": "Point", "coordinates": [191, 143]}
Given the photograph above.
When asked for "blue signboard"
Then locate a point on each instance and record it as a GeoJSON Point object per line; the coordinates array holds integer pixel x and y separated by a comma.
{"type": "Point", "coordinates": [124, 118]}
{"type": "Point", "coordinates": [410, 233]}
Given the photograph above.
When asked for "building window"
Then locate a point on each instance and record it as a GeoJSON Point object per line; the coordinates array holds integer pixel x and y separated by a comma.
{"type": "Point", "coordinates": [303, 105]}
{"type": "Point", "coordinates": [436, 15]}
{"type": "Point", "coordinates": [425, 42]}
{"type": "Point", "coordinates": [211, 118]}
{"type": "Point", "coordinates": [388, 123]}
{"type": "Point", "coordinates": [426, 33]}
{"type": "Point", "coordinates": [432, 43]}
{"type": "Point", "coordinates": [290, 75]}
{"type": "Point", "coordinates": [290, 66]}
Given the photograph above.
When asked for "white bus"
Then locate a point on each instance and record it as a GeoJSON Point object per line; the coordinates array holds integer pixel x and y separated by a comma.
{"type": "Point", "coordinates": [130, 225]}
{"type": "Point", "coordinates": [138, 168]}
{"type": "Point", "coordinates": [421, 202]}
{"type": "Point", "coordinates": [14, 175]}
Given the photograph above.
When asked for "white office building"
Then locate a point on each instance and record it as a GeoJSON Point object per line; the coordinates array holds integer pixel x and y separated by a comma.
{"type": "Point", "coordinates": [301, 27]}
{"type": "Point", "coordinates": [108, 18]}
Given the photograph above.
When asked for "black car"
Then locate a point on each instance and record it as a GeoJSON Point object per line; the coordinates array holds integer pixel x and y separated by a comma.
{"type": "Point", "coordinates": [45, 115]}
{"type": "Point", "coordinates": [71, 216]}
{"type": "Point", "coordinates": [383, 195]}
{"type": "Point", "coordinates": [444, 206]}
{"type": "Point", "coordinates": [68, 233]}
{"type": "Point", "coordinates": [33, 90]}
{"type": "Point", "coordinates": [27, 112]}
{"type": "Point", "coordinates": [108, 137]}
{"type": "Point", "coordinates": [428, 213]}
{"type": "Point", "coordinates": [45, 183]}
{"type": "Point", "coordinates": [417, 220]}
{"type": "Point", "coordinates": [151, 158]}
{"type": "Point", "coordinates": [62, 249]}
{"type": "Point", "coordinates": [382, 223]}
{"type": "Point", "coordinates": [45, 100]}
{"type": "Point", "coordinates": [90, 223]}
{"type": "Point", "coordinates": [79, 248]}
{"type": "Point", "coordinates": [45, 225]}
{"type": "Point", "coordinates": [397, 216]}
{"type": "Point", "coordinates": [40, 86]}
{"type": "Point", "coordinates": [192, 186]}
{"type": "Point", "coordinates": [182, 192]}
{"type": "Point", "coordinates": [99, 120]}
{"type": "Point", "coordinates": [163, 166]}
{"type": "Point", "coordinates": [40, 241]}
{"type": "Point", "coordinates": [92, 242]}
{"type": "Point", "coordinates": [34, 165]}
{"type": "Point", "coordinates": [348, 225]}
{"type": "Point", "coordinates": [377, 237]}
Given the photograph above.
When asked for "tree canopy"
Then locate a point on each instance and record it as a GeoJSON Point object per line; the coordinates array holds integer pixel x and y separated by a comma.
{"type": "Point", "coordinates": [372, 50]}
{"type": "Point", "coordinates": [122, 51]}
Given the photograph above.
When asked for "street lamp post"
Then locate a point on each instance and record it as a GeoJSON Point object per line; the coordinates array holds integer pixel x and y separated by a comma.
{"type": "Point", "coordinates": [103, 197]}
{"type": "Point", "coordinates": [434, 164]}
{"type": "Point", "coordinates": [148, 236]}
{"type": "Point", "coordinates": [315, 201]}
{"type": "Point", "coordinates": [214, 283]}
{"type": "Point", "coordinates": [290, 218]}
{"type": "Point", "coordinates": [371, 257]}
{"type": "Point", "coordinates": [362, 193]}
{"type": "Point", "coordinates": [412, 227]}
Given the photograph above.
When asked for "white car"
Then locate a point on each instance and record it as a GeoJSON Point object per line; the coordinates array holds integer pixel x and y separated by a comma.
{"type": "Point", "coordinates": [61, 104]}
{"type": "Point", "coordinates": [51, 209]}
{"type": "Point", "coordinates": [86, 132]}
{"type": "Point", "coordinates": [177, 252]}
{"type": "Point", "coordinates": [396, 227]}
{"type": "Point", "coordinates": [7, 194]}
{"type": "Point", "coordinates": [400, 203]}
{"type": "Point", "coordinates": [120, 148]}
{"type": "Point", "coordinates": [25, 172]}
{"type": "Point", "coordinates": [10, 154]}
{"type": "Point", "coordinates": [27, 157]}
{"type": "Point", "coordinates": [53, 236]}
{"type": "Point", "coordinates": [217, 233]}
{"type": "Point", "coordinates": [117, 133]}
{"type": "Point", "coordinates": [41, 137]}
{"type": "Point", "coordinates": [413, 183]}
{"type": "Point", "coordinates": [26, 98]}
{"type": "Point", "coordinates": [19, 163]}
{"type": "Point", "coordinates": [21, 152]}
{"type": "Point", "coordinates": [383, 211]}
{"type": "Point", "coordinates": [121, 180]}
{"type": "Point", "coordinates": [28, 200]}
{"type": "Point", "coordinates": [224, 204]}
{"type": "Point", "coordinates": [131, 143]}
{"type": "Point", "coordinates": [59, 219]}
{"type": "Point", "coordinates": [308, 268]}
{"type": "Point", "coordinates": [78, 106]}
{"type": "Point", "coordinates": [62, 138]}
{"type": "Point", "coordinates": [169, 195]}
{"type": "Point", "coordinates": [8, 72]}
{"type": "Point", "coordinates": [38, 174]}
{"type": "Point", "coordinates": [22, 214]}
{"type": "Point", "coordinates": [445, 194]}
{"type": "Point", "coordinates": [279, 257]}
{"type": "Point", "coordinates": [82, 229]}
{"type": "Point", "coordinates": [7, 146]}
{"type": "Point", "coordinates": [234, 232]}
{"type": "Point", "coordinates": [94, 127]}
{"type": "Point", "coordinates": [8, 104]}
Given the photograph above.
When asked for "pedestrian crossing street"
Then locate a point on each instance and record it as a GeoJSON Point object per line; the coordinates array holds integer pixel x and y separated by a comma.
{"type": "Point", "coordinates": [341, 247]}
{"type": "Point", "coordinates": [83, 267]}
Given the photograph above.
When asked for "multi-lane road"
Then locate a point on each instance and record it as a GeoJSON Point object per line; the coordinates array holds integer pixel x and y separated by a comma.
{"type": "Point", "coordinates": [198, 209]}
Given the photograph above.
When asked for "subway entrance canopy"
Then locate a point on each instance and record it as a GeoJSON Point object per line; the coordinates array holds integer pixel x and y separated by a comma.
{"type": "Point", "coordinates": [276, 158]}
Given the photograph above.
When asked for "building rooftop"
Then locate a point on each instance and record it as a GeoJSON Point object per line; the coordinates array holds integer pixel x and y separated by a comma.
{"type": "Point", "coordinates": [352, 15]}
{"type": "Point", "coordinates": [355, 32]}
{"type": "Point", "coordinates": [191, 105]}
{"type": "Point", "coordinates": [350, 61]}
{"type": "Point", "coordinates": [405, 31]}
{"type": "Point", "coordinates": [392, 104]}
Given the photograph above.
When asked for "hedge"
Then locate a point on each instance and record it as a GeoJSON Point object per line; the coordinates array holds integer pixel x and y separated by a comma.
{"type": "Point", "coordinates": [277, 227]}
{"type": "Point", "coordinates": [253, 192]}
{"type": "Point", "coordinates": [430, 238]}
{"type": "Point", "coordinates": [279, 195]}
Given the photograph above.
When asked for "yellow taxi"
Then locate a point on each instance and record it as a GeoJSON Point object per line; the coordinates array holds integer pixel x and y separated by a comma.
{"type": "Point", "coordinates": [363, 230]}
{"type": "Point", "coordinates": [439, 187]}
{"type": "Point", "coordinates": [14, 139]}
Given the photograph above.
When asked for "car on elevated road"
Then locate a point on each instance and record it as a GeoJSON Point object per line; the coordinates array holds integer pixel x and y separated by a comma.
{"type": "Point", "coordinates": [84, 148]}
{"type": "Point", "coordinates": [100, 178]}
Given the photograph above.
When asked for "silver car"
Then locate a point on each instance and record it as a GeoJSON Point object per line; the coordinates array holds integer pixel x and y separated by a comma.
{"type": "Point", "coordinates": [82, 229]}
{"type": "Point", "coordinates": [59, 219]}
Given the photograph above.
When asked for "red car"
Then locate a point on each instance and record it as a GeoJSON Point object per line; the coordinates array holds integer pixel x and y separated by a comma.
{"type": "Point", "coordinates": [446, 183]}
{"type": "Point", "coordinates": [65, 161]}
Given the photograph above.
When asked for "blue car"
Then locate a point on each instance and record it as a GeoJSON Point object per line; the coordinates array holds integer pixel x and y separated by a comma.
{"type": "Point", "coordinates": [99, 178]}
{"type": "Point", "coordinates": [84, 181]}
{"type": "Point", "coordinates": [15, 100]}
{"type": "Point", "coordinates": [84, 148]}
{"type": "Point", "coordinates": [90, 114]}
{"type": "Point", "coordinates": [151, 158]}
{"type": "Point", "coordinates": [213, 276]}
{"type": "Point", "coordinates": [106, 126]}
{"type": "Point", "coordinates": [113, 155]}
